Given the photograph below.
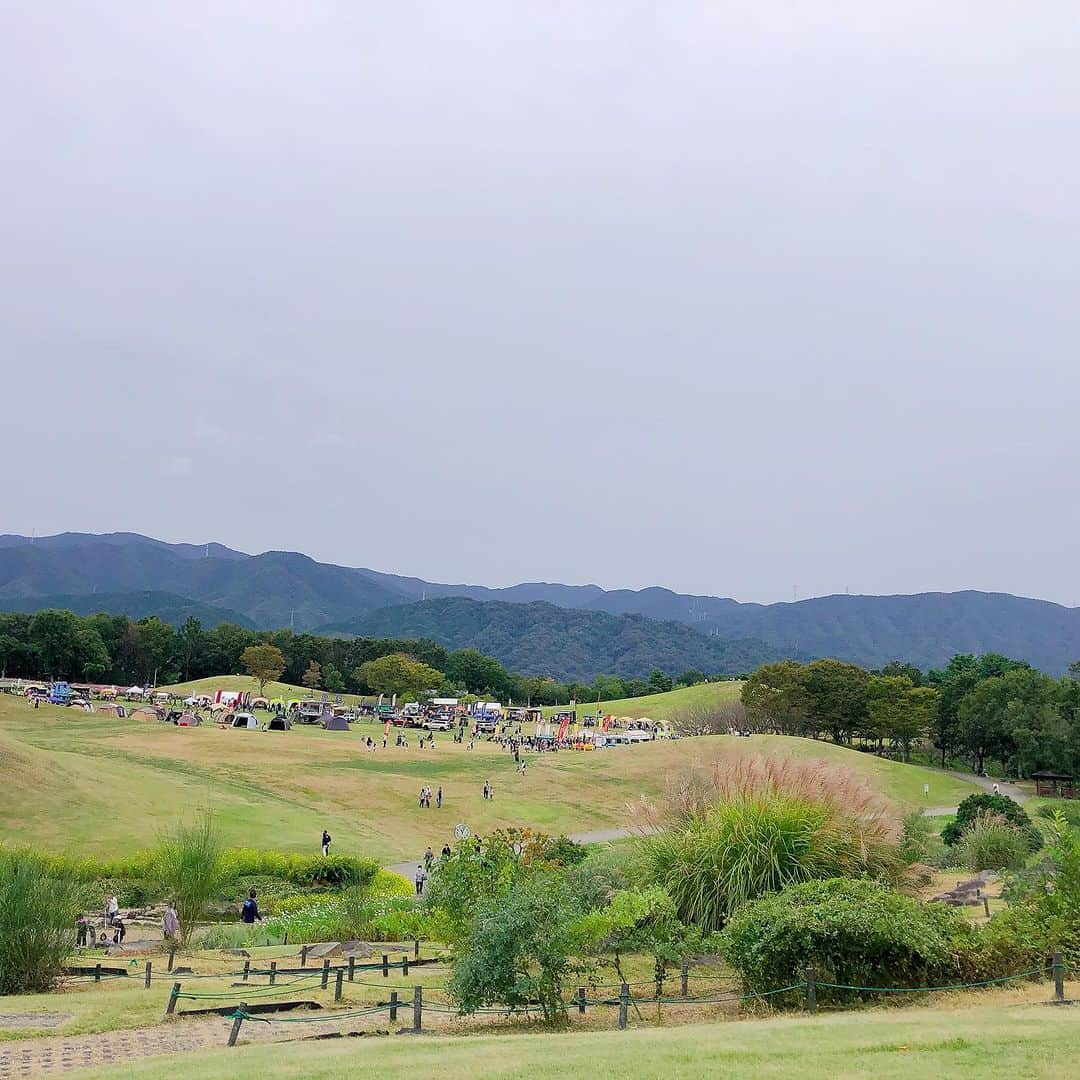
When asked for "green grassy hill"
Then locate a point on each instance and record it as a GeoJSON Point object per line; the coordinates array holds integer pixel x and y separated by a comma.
{"type": "Point", "coordinates": [95, 784]}
{"type": "Point", "coordinates": [663, 706]}
{"type": "Point", "coordinates": [246, 682]}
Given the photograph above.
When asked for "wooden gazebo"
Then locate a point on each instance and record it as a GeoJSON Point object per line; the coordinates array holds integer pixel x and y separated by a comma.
{"type": "Point", "coordinates": [1054, 785]}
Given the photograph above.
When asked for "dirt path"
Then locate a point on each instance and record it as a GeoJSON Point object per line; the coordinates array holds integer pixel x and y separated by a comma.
{"type": "Point", "coordinates": [58, 1054]}
{"type": "Point", "coordinates": [987, 784]}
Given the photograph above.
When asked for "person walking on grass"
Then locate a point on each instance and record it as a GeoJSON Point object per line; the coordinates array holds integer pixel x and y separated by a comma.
{"type": "Point", "coordinates": [421, 877]}
{"type": "Point", "coordinates": [487, 789]}
{"type": "Point", "coordinates": [326, 842]}
{"type": "Point", "coordinates": [170, 923]}
{"type": "Point", "coordinates": [249, 909]}
{"type": "Point", "coordinates": [429, 858]}
{"type": "Point", "coordinates": [438, 798]}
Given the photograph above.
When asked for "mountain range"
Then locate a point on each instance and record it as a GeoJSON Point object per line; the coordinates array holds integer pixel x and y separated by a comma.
{"type": "Point", "coordinates": [280, 589]}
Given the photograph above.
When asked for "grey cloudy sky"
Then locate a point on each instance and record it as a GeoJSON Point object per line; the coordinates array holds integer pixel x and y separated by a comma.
{"type": "Point", "coordinates": [729, 297]}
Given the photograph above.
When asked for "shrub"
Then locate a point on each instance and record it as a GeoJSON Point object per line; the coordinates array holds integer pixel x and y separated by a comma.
{"type": "Point", "coordinates": [192, 868]}
{"type": "Point", "coordinates": [852, 933]}
{"type": "Point", "coordinates": [38, 905]}
{"type": "Point", "coordinates": [986, 803]}
{"type": "Point", "coordinates": [756, 826]}
{"type": "Point", "coordinates": [1069, 811]}
{"type": "Point", "coordinates": [387, 883]}
{"type": "Point", "coordinates": [991, 842]}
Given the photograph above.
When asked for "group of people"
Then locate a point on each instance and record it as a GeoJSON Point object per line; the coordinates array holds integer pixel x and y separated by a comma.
{"type": "Point", "coordinates": [425, 798]}
{"type": "Point", "coordinates": [86, 934]}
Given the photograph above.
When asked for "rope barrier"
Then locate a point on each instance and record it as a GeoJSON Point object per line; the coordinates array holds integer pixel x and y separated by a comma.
{"type": "Point", "coordinates": [936, 989]}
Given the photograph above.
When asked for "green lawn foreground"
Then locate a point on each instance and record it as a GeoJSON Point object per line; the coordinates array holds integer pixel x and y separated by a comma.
{"type": "Point", "coordinates": [999, 1034]}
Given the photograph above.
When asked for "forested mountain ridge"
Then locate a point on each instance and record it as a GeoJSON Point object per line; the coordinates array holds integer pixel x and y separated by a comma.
{"type": "Point", "coordinates": [276, 589]}
{"type": "Point", "coordinates": [567, 644]}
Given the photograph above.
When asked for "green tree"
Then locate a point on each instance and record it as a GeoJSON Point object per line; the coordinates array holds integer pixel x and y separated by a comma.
{"type": "Point", "coordinates": [157, 646]}
{"type": "Point", "coordinates": [516, 950]}
{"type": "Point", "coordinates": [333, 680]}
{"type": "Point", "coordinates": [690, 678]}
{"type": "Point", "coordinates": [192, 869]}
{"type": "Point", "coordinates": [313, 675]}
{"type": "Point", "coordinates": [399, 674]}
{"type": "Point", "coordinates": [92, 656]}
{"type": "Point", "coordinates": [265, 663]}
{"type": "Point", "coordinates": [478, 673]}
{"type": "Point", "coordinates": [53, 634]}
{"type": "Point", "coordinates": [774, 698]}
{"type": "Point", "coordinates": [189, 641]}
{"type": "Point", "coordinates": [898, 711]}
{"type": "Point", "coordinates": [835, 697]}
{"type": "Point", "coordinates": [659, 683]}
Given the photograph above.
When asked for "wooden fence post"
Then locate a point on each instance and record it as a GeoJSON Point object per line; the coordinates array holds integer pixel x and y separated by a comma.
{"type": "Point", "coordinates": [97, 973]}
{"type": "Point", "coordinates": [172, 956]}
{"type": "Point", "coordinates": [385, 965]}
{"type": "Point", "coordinates": [325, 972]}
{"type": "Point", "coordinates": [684, 984]}
{"type": "Point", "coordinates": [416, 948]}
{"type": "Point", "coordinates": [1058, 966]}
{"type": "Point", "coordinates": [417, 1007]}
{"type": "Point", "coordinates": [273, 972]}
{"type": "Point", "coordinates": [352, 968]}
{"type": "Point", "coordinates": [986, 906]}
{"type": "Point", "coordinates": [303, 955]}
{"type": "Point", "coordinates": [148, 968]}
{"type": "Point", "coordinates": [624, 1003]}
{"type": "Point", "coordinates": [811, 991]}
{"type": "Point", "coordinates": [404, 963]}
{"type": "Point", "coordinates": [393, 1004]}
{"type": "Point", "coordinates": [247, 969]}
{"type": "Point", "coordinates": [173, 995]}
{"type": "Point", "coordinates": [581, 1000]}
{"type": "Point", "coordinates": [237, 1021]}
{"type": "Point", "coordinates": [337, 983]}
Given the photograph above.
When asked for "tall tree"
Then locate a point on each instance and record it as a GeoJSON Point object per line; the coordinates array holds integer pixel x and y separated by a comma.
{"type": "Point", "coordinates": [313, 676]}
{"type": "Point", "coordinates": [399, 674]}
{"type": "Point", "coordinates": [264, 663]}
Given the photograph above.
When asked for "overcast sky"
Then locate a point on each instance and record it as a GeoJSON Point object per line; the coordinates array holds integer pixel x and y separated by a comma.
{"type": "Point", "coordinates": [736, 298]}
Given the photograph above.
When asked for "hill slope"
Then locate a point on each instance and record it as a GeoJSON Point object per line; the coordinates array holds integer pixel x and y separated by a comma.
{"type": "Point", "coordinates": [541, 639]}
{"type": "Point", "coordinates": [285, 588]}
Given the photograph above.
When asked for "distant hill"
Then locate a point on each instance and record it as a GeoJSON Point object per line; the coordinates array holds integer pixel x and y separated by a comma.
{"type": "Point", "coordinates": [174, 610]}
{"type": "Point", "coordinates": [280, 588]}
{"type": "Point", "coordinates": [541, 639]}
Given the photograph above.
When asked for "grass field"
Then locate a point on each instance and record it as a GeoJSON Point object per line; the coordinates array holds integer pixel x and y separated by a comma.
{"type": "Point", "coordinates": [246, 682]}
{"type": "Point", "coordinates": [662, 706]}
{"type": "Point", "coordinates": [999, 1035]}
{"type": "Point", "coordinates": [99, 785]}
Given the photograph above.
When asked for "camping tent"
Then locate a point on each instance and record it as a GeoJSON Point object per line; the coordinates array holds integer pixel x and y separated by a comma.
{"type": "Point", "coordinates": [188, 720]}
{"type": "Point", "coordinates": [279, 723]}
{"type": "Point", "coordinates": [245, 720]}
{"type": "Point", "coordinates": [258, 703]}
{"type": "Point", "coordinates": [330, 722]}
{"type": "Point", "coordinates": [146, 713]}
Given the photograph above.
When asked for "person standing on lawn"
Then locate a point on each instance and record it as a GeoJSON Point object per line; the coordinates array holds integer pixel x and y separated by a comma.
{"type": "Point", "coordinates": [326, 841]}
{"type": "Point", "coordinates": [170, 923]}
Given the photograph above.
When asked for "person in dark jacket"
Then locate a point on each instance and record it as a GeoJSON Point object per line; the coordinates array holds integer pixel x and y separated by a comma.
{"type": "Point", "coordinates": [325, 843]}
{"type": "Point", "coordinates": [249, 910]}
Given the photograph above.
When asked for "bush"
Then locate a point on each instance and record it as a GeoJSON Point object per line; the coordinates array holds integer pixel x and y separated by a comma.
{"type": "Point", "coordinates": [38, 905]}
{"type": "Point", "coordinates": [192, 869]}
{"type": "Point", "coordinates": [1070, 811]}
{"type": "Point", "coordinates": [757, 826]}
{"type": "Point", "coordinates": [852, 933]}
{"type": "Point", "coordinates": [992, 843]}
{"type": "Point", "coordinates": [986, 803]}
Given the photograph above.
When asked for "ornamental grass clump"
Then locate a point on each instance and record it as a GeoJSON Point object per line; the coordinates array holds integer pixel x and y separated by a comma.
{"type": "Point", "coordinates": [746, 827]}
{"type": "Point", "coordinates": [38, 904]}
{"type": "Point", "coordinates": [992, 842]}
{"type": "Point", "coordinates": [193, 870]}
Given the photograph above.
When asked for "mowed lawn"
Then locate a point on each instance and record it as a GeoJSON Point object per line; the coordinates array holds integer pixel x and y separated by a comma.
{"type": "Point", "coordinates": [994, 1036]}
{"type": "Point", "coordinates": [662, 706]}
{"type": "Point", "coordinates": [103, 786]}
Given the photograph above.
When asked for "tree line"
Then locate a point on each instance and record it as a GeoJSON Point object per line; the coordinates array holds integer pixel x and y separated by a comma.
{"type": "Point", "coordinates": [104, 648]}
{"type": "Point", "coordinates": [980, 709]}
